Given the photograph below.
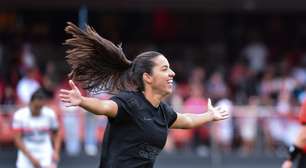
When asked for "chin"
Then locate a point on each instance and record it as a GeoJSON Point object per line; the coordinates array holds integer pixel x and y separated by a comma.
{"type": "Point", "coordinates": [168, 92]}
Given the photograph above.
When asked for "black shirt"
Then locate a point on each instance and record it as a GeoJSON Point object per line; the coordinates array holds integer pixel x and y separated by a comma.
{"type": "Point", "coordinates": [138, 133]}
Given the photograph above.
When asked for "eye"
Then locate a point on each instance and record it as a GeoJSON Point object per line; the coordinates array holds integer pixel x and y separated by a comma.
{"type": "Point", "coordinates": [164, 68]}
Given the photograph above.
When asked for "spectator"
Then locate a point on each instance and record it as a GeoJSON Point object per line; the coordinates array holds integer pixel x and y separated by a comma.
{"type": "Point", "coordinates": [197, 104]}
{"type": "Point", "coordinates": [27, 86]}
{"type": "Point", "coordinates": [247, 125]}
{"type": "Point", "coordinates": [223, 131]}
{"type": "Point", "coordinates": [256, 53]}
{"type": "Point", "coordinates": [216, 87]}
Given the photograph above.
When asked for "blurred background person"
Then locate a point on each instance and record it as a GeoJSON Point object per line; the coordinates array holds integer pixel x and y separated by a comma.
{"type": "Point", "coordinates": [223, 131]}
{"type": "Point", "coordinates": [196, 103]}
{"type": "Point", "coordinates": [247, 125]}
{"type": "Point", "coordinates": [255, 52]}
{"type": "Point", "coordinates": [27, 86]}
{"type": "Point", "coordinates": [216, 86]}
{"type": "Point", "coordinates": [36, 134]}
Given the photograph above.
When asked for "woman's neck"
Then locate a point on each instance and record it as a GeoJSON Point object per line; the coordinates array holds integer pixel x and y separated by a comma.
{"type": "Point", "coordinates": [153, 98]}
{"type": "Point", "coordinates": [34, 111]}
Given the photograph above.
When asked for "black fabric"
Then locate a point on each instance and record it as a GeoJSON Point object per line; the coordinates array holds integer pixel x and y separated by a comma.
{"type": "Point", "coordinates": [294, 151]}
{"type": "Point", "coordinates": [137, 134]}
{"type": "Point", "coordinates": [302, 161]}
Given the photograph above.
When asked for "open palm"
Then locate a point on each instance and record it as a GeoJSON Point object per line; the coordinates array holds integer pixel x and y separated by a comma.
{"type": "Point", "coordinates": [71, 97]}
{"type": "Point", "coordinates": [218, 113]}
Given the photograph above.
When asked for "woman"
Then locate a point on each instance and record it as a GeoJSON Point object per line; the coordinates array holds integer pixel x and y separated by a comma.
{"type": "Point", "coordinates": [138, 119]}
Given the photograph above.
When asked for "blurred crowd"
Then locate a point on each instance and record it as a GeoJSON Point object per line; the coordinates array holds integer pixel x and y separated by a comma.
{"type": "Point", "coordinates": [258, 75]}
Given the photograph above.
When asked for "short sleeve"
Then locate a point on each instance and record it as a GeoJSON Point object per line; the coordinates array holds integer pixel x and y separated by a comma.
{"type": "Point", "coordinates": [53, 120]}
{"type": "Point", "coordinates": [123, 102]}
{"type": "Point", "coordinates": [17, 121]}
{"type": "Point", "coordinates": [170, 114]}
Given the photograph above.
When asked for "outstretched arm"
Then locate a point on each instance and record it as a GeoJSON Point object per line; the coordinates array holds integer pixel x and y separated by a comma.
{"type": "Point", "coordinates": [188, 120]}
{"type": "Point", "coordinates": [73, 97]}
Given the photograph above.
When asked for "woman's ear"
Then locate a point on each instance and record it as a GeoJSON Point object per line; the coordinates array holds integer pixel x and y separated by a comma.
{"type": "Point", "coordinates": [147, 78]}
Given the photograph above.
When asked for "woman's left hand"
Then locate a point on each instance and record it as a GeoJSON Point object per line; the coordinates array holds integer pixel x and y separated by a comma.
{"type": "Point", "coordinates": [55, 157]}
{"type": "Point", "coordinates": [218, 113]}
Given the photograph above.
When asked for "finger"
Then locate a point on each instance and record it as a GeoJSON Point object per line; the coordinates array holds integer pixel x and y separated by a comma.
{"type": "Point", "coordinates": [64, 91]}
{"type": "Point", "coordinates": [209, 104]}
{"type": "Point", "coordinates": [72, 85]}
{"type": "Point", "coordinates": [225, 116]}
{"type": "Point", "coordinates": [218, 111]}
{"type": "Point", "coordinates": [68, 105]}
{"type": "Point", "coordinates": [218, 108]}
{"type": "Point", "coordinates": [221, 110]}
{"type": "Point", "coordinates": [65, 100]}
{"type": "Point", "coordinates": [63, 96]}
{"type": "Point", "coordinates": [224, 113]}
{"type": "Point", "coordinates": [222, 118]}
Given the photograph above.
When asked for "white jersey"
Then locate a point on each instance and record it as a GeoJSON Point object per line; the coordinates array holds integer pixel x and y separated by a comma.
{"type": "Point", "coordinates": [36, 136]}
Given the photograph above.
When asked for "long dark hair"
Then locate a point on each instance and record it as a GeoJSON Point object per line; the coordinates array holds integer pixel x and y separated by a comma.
{"type": "Point", "coordinates": [97, 64]}
{"type": "Point", "coordinates": [143, 63]}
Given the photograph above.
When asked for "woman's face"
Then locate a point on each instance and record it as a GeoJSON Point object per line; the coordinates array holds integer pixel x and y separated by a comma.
{"type": "Point", "coordinates": [161, 79]}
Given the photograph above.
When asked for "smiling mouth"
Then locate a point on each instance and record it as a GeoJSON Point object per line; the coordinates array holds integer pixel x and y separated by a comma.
{"type": "Point", "coordinates": [170, 82]}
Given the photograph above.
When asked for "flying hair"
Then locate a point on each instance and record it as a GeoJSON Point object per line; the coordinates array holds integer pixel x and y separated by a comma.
{"type": "Point", "coordinates": [96, 63]}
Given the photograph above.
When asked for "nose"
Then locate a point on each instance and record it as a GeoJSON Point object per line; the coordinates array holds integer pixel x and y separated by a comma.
{"type": "Point", "coordinates": [172, 73]}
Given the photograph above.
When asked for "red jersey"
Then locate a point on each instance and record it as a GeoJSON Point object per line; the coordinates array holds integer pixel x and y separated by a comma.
{"type": "Point", "coordinates": [302, 116]}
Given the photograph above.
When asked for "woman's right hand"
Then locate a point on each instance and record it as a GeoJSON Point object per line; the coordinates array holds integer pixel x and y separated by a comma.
{"type": "Point", "coordinates": [71, 97]}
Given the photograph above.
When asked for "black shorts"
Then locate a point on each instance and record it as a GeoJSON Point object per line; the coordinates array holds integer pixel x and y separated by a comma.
{"type": "Point", "coordinates": [302, 161]}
